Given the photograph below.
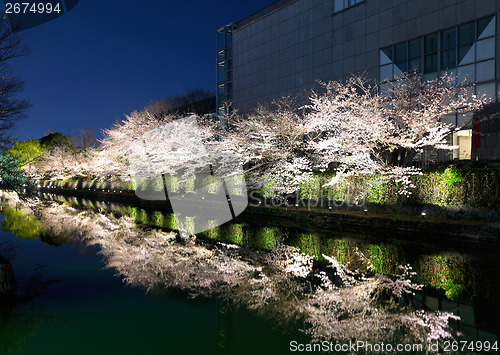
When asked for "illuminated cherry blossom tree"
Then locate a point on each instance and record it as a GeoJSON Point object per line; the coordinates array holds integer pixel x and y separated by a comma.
{"type": "Point", "coordinates": [353, 124]}
{"type": "Point", "coordinates": [414, 109]}
{"type": "Point", "coordinates": [368, 131]}
{"type": "Point", "coordinates": [272, 141]}
{"type": "Point", "coordinates": [350, 126]}
{"type": "Point", "coordinates": [111, 158]}
{"type": "Point", "coordinates": [62, 162]}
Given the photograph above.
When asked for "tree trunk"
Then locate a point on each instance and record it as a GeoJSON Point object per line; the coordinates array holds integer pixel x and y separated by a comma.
{"type": "Point", "coordinates": [400, 157]}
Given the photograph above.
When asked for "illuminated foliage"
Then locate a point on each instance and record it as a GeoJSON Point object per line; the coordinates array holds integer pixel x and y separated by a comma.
{"type": "Point", "coordinates": [25, 151]}
{"type": "Point", "coordinates": [21, 224]}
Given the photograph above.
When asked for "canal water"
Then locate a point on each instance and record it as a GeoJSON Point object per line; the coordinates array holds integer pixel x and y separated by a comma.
{"type": "Point", "coordinates": [69, 303]}
{"type": "Point", "coordinates": [72, 301]}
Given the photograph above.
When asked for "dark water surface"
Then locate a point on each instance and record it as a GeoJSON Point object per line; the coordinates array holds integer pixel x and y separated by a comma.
{"type": "Point", "coordinates": [71, 304]}
{"type": "Point", "coordinates": [78, 307]}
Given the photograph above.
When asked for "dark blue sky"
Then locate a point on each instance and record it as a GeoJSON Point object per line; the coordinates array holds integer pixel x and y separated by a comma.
{"type": "Point", "coordinates": [104, 59]}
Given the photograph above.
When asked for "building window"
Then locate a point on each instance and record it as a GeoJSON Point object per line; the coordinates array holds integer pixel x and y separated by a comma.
{"type": "Point", "coordinates": [340, 5]}
{"type": "Point", "coordinates": [414, 55]}
{"type": "Point", "coordinates": [467, 51]}
{"type": "Point", "coordinates": [224, 67]}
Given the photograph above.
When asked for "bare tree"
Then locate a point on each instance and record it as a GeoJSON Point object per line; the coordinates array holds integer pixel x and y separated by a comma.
{"type": "Point", "coordinates": [12, 109]}
{"type": "Point", "coordinates": [84, 138]}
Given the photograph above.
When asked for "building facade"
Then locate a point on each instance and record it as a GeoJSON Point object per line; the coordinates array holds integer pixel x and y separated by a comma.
{"type": "Point", "coordinates": [285, 48]}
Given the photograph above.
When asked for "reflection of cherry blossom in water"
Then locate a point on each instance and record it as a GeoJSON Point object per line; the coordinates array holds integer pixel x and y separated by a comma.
{"type": "Point", "coordinates": [333, 304]}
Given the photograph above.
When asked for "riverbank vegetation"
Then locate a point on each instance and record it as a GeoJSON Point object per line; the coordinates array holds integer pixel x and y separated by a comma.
{"type": "Point", "coordinates": [350, 143]}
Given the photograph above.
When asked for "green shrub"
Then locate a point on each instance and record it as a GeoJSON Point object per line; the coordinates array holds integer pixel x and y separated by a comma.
{"type": "Point", "coordinates": [445, 186]}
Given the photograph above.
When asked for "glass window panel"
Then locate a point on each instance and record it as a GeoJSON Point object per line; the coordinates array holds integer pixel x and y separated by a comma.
{"type": "Point", "coordinates": [485, 49]}
{"type": "Point", "coordinates": [403, 66]}
{"type": "Point", "coordinates": [485, 71]}
{"type": "Point", "coordinates": [384, 58]}
{"type": "Point", "coordinates": [486, 27]}
{"type": "Point", "coordinates": [448, 59]}
{"type": "Point", "coordinates": [466, 34]}
{"type": "Point", "coordinates": [430, 76]}
{"type": "Point", "coordinates": [449, 72]}
{"type": "Point", "coordinates": [229, 38]}
{"type": "Point", "coordinates": [448, 39]}
{"type": "Point", "coordinates": [488, 89]}
{"type": "Point", "coordinates": [385, 72]}
{"type": "Point", "coordinates": [338, 5]}
{"type": "Point", "coordinates": [466, 54]}
{"type": "Point", "coordinates": [430, 43]}
{"type": "Point", "coordinates": [397, 72]}
{"type": "Point", "coordinates": [229, 53]}
{"type": "Point", "coordinates": [222, 91]}
{"type": "Point", "coordinates": [400, 52]}
{"type": "Point", "coordinates": [415, 64]}
{"type": "Point", "coordinates": [359, 1]}
{"type": "Point", "coordinates": [229, 75]}
{"type": "Point", "coordinates": [384, 90]}
{"type": "Point", "coordinates": [466, 73]}
{"type": "Point", "coordinates": [221, 73]}
{"type": "Point", "coordinates": [220, 40]}
{"type": "Point", "coordinates": [430, 63]}
{"type": "Point", "coordinates": [464, 120]}
{"type": "Point", "coordinates": [388, 52]}
{"type": "Point", "coordinates": [414, 48]}
{"type": "Point", "coordinates": [346, 4]}
{"type": "Point", "coordinates": [449, 119]}
{"type": "Point", "coordinates": [220, 57]}
{"type": "Point", "coordinates": [470, 91]}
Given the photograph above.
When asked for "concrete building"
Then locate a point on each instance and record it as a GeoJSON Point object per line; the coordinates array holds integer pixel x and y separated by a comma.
{"type": "Point", "coordinates": [285, 48]}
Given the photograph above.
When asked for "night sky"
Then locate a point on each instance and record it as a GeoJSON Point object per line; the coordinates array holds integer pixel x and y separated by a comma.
{"type": "Point", "coordinates": [105, 59]}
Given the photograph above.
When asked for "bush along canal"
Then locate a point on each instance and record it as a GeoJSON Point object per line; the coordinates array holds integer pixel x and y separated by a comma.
{"type": "Point", "coordinates": [117, 278]}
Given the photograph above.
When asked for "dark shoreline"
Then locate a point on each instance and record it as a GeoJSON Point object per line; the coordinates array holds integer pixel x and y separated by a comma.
{"type": "Point", "coordinates": [438, 226]}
